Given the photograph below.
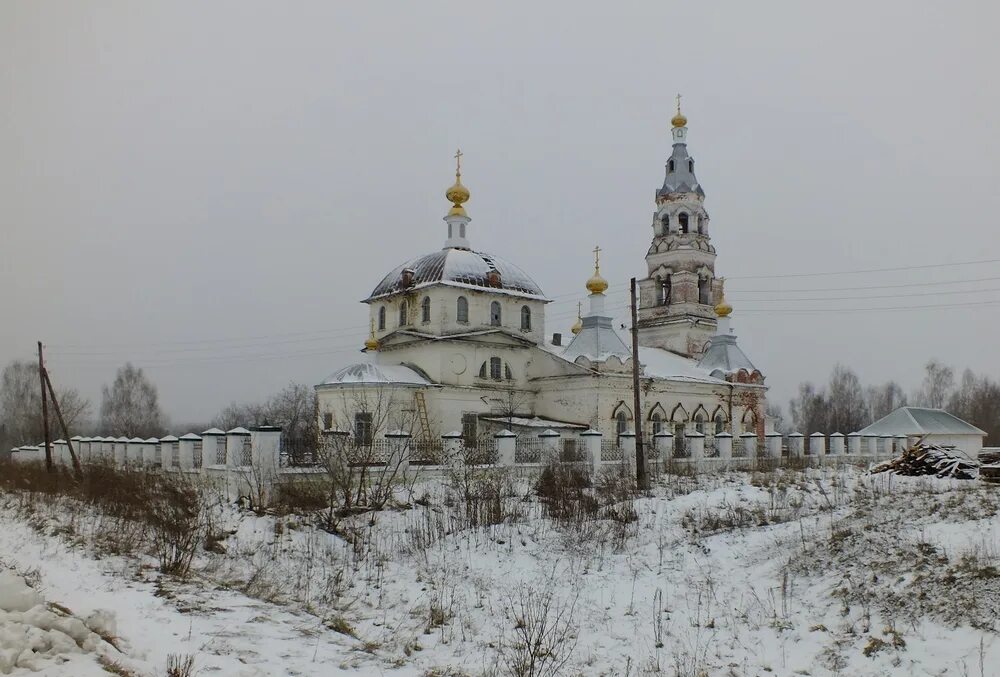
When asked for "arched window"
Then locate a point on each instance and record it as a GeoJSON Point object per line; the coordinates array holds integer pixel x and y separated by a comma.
{"type": "Point", "coordinates": [525, 318]}
{"type": "Point", "coordinates": [670, 166]}
{"type": "Point", "coordinates": [665, 222]}
{"type": "Point", "coordinates": [621, 423]}
{"type": "Point", "coordinates": [482, 371]}
{"type": "Point", "coordinates": [462, 312]}
{"type": "Point", "coordinates": [425, 310]}
{"type": "Point", "coordinates": [495, 368]}
{"type": "Point", "coordinates": [701, 228]}
{"type": "Point", "coordinates": [691, 166]}
{"type": "Point", "coordinates": [704, 290]}
{"type": "Point", "coordinates": [699, 422]}
{"type": "Point", "coordinates": [720, 423]}
{"type": "Point", "coordinates": [507, 373]}
{"type": "Point", "coordinates": [381, 318]}
{"type": "Point", "coordinates": [657, 422]}
{"type": "Point", "coordinates": [682, 219]}
{"type": "Point", "coordinates": [495, 316]}
{"type": "Point", "coordinates": [402, 314]}
{"type": "Point", "coordinates": [665, 291]}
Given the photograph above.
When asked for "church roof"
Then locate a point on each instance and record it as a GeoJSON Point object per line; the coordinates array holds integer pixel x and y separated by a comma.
{"type": "Point", "coordinates": [920, 421]}
{"type": "Point", "coordinates": [597, 341]}
{"type": "Point", "coordinates": [682, 178]}
{"type": "Point", "coordinates": [460, 268]}
{"type": "Point", "coordinates": [374, 373]}
{"type": "Point", "coordinates": [724, 356]}
{"type": "Point", "coordinates": [660, 363]}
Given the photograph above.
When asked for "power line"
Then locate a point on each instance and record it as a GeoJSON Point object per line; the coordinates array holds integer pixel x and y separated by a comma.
{"type": "Point", "coordinates": [881, 296]}
{"type": "Point", "coordinates": [865, 271]}
{"type": "Point", "coordinates": [863, 287]}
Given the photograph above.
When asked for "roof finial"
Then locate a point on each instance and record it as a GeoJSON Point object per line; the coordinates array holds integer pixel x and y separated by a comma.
{"type": "Point", "coordinates": [597, 284]}
{"type": "Point", "coordinates": [372, 342]}
{"type": "Point", "coordinates": [578, 325]}
{"type": "Point", "coordinates": [723, 309]}
{"type": "Point", "coordinates": [679, 120]}
{"type": "Point", "coordinates": [457, 194]}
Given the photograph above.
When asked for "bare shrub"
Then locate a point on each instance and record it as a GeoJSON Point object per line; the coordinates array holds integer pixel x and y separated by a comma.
{"type": "Point", "coordinates": [180, 666]}
{"type": "Point", "coordinates": [543, 636]}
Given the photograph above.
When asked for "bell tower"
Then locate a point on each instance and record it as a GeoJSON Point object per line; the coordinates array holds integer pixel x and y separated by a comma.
{"type": "Point", "coordinates": [677, 298]}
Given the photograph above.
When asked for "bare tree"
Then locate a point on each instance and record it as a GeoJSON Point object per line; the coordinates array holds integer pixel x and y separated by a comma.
{"type": "Point", "coordinates": [293, 409]}
{"type": "Point", "coordinates": [774, 412]}
{"type": "Point", "coordinates": [884, 399]}
{"type": "Point", "coordinates": [808, 409]}
{"type": "Point", "coordinates": [131, 407]}
{"type": "Point", "coordinates": [21, 406]}
{"type": "Point", "coordinates": [977, 400]}
{"type": "Point", "coordinates": [846, 402]}
{"type": "Point", "coordinates": [939, 381]}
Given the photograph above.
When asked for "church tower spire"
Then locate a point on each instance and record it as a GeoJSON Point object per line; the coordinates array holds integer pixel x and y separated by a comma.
{"type": "Point", "coordinates": [676, 299]}
{"type": "Point", "coordinates": [456, 218]}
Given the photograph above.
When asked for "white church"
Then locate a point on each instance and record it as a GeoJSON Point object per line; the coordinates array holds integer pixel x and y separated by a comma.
{"type": "Point", "coordinates": [458, 341]}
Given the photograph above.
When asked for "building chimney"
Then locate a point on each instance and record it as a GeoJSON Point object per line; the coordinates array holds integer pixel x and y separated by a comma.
{"type": "Point", "coordinates": [557, 339]}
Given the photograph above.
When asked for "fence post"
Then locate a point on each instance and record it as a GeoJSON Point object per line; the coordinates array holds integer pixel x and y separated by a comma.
{"type": "Point", "coordinates": [626, 442]}
{"type": "Point", "coordinates": [453, 446]}
{"type": "Point", "coordinates": [854, 443]}
{"type": "Point", "coordinates": [120, 449]}
{"type": "Point", "coordinates": [167, 451]}
{"type": "Point", "coordinates": [837, 444]}
{"type": "Point", "coordinates": [696, 445]}
{"type": "Point", "coordinates": [399, 443]}
{"type": "Point", "coordinates": [235, 443]}
{"type": "Point", "coordinates": [591, 440]}
{"type": "Point", "coordinates": [817, 442]}
{"type": "Point", "coordinates": [724, 444]}
{"type": "Point", "coordinates": [149, 452]}
{"type": "Point", "coordinates": [265, 452]}
{"type": "Point", "coordinates": [773, 442]}
{"type": "Point", "coordinates": [550, 446]}
{"type": "Point", "coordinates": [186, 456]}
{"type": "Point", "coordinates": [506, 445]}
{"type": "Point", "coordinates": [749, 441]}
{"type": "Point", "coordinates": [213, 441]}
{"type": "Point", "coordinates": [796, 445]}
{"type": "Point", "coordinates": [664, 442]}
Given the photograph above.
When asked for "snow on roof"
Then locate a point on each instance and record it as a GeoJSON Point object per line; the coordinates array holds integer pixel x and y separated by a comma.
{"type": "Point", "coordinates": [214, 431]}
{"type": "Point", "coordinates": [534, 422]}
{"type": "Point", "coordinates": [168, 438]}
{"type": "Point", "coordinates": [459, 267]}
{"type": "Point", "coordinates": [190, 436]}
{"type": "Point", "coordinates": [137, 439]}
{"type": "Point", "coordinates": [921, 421]}
{"type": "Point", "coordinates": [724, 356]}
{"type": "Point", "coordinates": [660, 363]}
{"type": "Point", "coordinates": [597, 341]}
{"type": "Point", "coordinates": [239, 430]}
{"type": "Point", "coordinates": [373, 372]}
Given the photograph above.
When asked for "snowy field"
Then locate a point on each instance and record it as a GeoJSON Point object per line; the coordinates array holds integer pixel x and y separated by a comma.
{"type": "Point", "coordinates": [815, 572]}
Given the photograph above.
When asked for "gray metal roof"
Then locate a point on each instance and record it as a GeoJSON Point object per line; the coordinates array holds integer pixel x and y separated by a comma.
{"type": "Point", "coordinates": [372, 373]}
{"type": "Point", "coordinates": [723, 356]}
{"type": "Point", "coordinates": [597, 341]}
{"type": "Point", "coordinates": [682, 178]}
{"type": "Point", "coordinates": [921, 421]}
{"type": "Point", "coordinates": [460, 266]}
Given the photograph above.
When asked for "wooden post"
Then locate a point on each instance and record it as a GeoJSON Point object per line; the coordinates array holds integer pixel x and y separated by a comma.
{"type": "Point", "coordinates": [641, 477]}
{"type": "Point", "coordinates": [45, 410]}
{"type": "Point", "coordinates": [62, 424]}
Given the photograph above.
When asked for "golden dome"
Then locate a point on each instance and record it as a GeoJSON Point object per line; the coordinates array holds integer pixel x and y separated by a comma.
{"type": "Point", "coordinates": [723, 309]}
{"type": "Point", "coordinates": [597, 284]}
{"type": "Point", "coordinates": [457, 194]}
{"type": "Point", "coordinates": [679, 120]}
{"type": "Point", "coordinates": [371, 343]}
{"type": "Point", "coordinates": [578, 325]}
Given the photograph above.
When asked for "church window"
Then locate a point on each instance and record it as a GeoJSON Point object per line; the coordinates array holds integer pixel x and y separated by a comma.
{"type": "Point", "coordinates": [482, 371]}
{"type": "Point", "coordinates": [670, 166]}
{"type": "Point", "coordinates": [691, 166]}
{"type": "Point", "coordinates": [525, 318]}
{"type": "Point", "coordinates": [381, 318]}
{"type": "Point", "coordinates": [327, 421]}
{"type": "Point", "coordinates": [682, 219]}
{"type": "Point", "coordinates": [621, 423]}
{"type": "Point", "coordinates": [665, 222]}
{"type": "Point", "coordinates": [720, 423]}
{"type": "Point", "coordinates": [363, 428]}
{"type": "Point", "coordinates": [657, 421]}
{"type": "Point", "coordinates": [680, 440]}
{"type": "Point", "coordinates": [665, 290]}
{"type": "Point", "coordinates": [425, 310]}
{"type": "Point", "coordinates": [462, 312]}
{"type": "Point", "coordinates": [470, 429]}
{"type": "Point", "coordinates": [507, 373]}
{"type": "Point", "coordinates": [699, 422]}
{"type": "Point", "coordinates": [495, 315]}
{"type": "Point", "coordinates": [402, 314]}
{"type": "Point", "coordinates": [495, 366]}
{"type": "Point", "coordinates": [704, 290]}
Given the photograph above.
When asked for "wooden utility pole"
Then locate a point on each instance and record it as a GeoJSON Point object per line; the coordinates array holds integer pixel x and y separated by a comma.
{"type": "Point", "coordinates": [62, 423]}
{"type": "Point", "coordinates": [641, 478]}
{"type": "Point", "coordinates": [45, 410]}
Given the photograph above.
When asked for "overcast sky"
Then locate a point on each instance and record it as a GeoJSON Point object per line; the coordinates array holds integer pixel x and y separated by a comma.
{"type": "Point", "coordinates": [209, 189]}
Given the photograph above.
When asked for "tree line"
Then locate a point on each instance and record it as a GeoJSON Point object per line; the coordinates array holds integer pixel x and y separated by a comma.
{"type": "Point", "coordinates": [846, 405]}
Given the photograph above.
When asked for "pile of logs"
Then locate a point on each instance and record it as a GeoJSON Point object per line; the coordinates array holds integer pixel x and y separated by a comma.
{"type": "Point", "coordinates": [989, 471]}
{"type": "Point", "coordinates": [931, 459]}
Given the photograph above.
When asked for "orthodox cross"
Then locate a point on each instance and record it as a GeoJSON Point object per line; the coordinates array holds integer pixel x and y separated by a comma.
{"type": "Point", "coordinates": [597, 258]}
{"type": "Point", "coordinates": [458, 162]}
{"type": "Point", "coordinates": [678, 103]}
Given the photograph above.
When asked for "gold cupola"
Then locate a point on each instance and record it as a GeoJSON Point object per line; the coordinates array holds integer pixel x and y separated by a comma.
{"type": "Point", "coordinates": [578, 325]}
{"type": "Point", "coordinates": [597, 284]}
{"type": "Point", "coordinates": [457, 194]}
{"type": "Point", "coordinates": [723, 309]}
{"type": "Point", "coordinates": [371, 343]}
{"type": "Point", "coordinates": [679, 120]}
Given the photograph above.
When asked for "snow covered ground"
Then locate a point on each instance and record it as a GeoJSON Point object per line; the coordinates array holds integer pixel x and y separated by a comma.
{"type": "Point", "coordinates": [788, 573]}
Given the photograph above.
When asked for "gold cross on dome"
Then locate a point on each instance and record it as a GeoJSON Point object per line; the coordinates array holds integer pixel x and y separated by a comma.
{"type": "Point", "coordinates": [579, 309]}
{"type": "Point", "coordinates": [458, 161]}
{"type": "Point", "coordinates": [678, 103]}
{"type": "Point", "coordinates": [597, 258]}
